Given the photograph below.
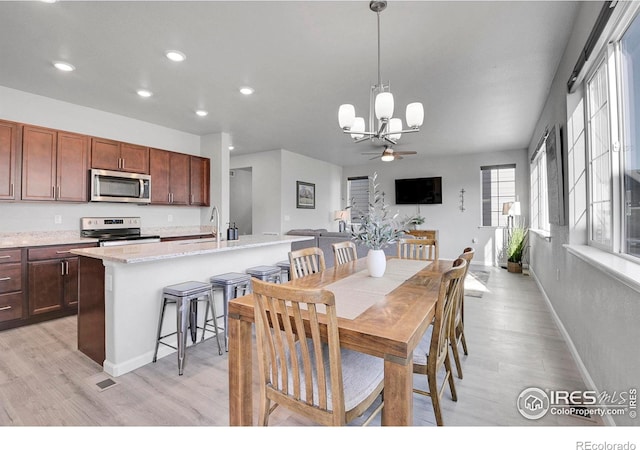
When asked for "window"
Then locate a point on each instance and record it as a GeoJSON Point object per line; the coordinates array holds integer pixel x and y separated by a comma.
{"type": "Point", "coordinates": [613, 152]}
{"type": "Point", "coordinates": [498, 187]}
{"type": "Point", "coordinates": [599, 158]}
{"type": "Point", "coordinates": [539, 191]}
{"type": "Point", "coordinates": [358, 195]}
{"type": "Point", "coordinates": [630, 83]}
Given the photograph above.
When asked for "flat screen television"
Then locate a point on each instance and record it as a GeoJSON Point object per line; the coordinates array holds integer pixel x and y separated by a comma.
{"type": "Point", "coordinates": [419, 191]}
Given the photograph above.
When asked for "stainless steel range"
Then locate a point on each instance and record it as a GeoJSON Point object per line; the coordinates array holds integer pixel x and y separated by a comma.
{"type": "Point", "coordinates": [111, 231]}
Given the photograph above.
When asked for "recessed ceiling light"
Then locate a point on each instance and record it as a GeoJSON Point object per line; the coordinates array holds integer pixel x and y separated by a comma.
{"type": "Point", "coordinates": [63, 66]}
{"type": "Point", "coordinates": [144, 93]}
{"type": "Point", "coordinates": [246, 90]}
{"type": "Point", "coordinates": [231, 147]}
{"type": "Point", "coordinates": [175, 55]}
{"type": "Point", "coordinates": [48, 1]}
{"type": "Point", "coordinates": [202, 112]}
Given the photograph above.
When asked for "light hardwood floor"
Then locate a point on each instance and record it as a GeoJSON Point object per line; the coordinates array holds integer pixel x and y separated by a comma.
{"type": "Point", "coordinates": [513, 344]}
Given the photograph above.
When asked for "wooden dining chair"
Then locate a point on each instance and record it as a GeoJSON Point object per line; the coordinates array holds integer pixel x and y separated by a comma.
{"type": "Point", "coordinates": [321, 381]}
{"type": "Point", "coordinates": [306, 261]}
{"type": "Point", "coordinates": [416, 248]}
{"type": "Point", "coordinates": [432, 353]}
{"type": "Point", "coordinates": [344, 252]}
{"type": "Point", "coordinates": [457, 328]}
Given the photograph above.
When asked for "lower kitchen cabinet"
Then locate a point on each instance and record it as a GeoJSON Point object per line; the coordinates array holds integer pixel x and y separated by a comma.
{"type": "Point", "coordinates": [11, 286]}
{"type": "Point", "coordinates": [53, 279]}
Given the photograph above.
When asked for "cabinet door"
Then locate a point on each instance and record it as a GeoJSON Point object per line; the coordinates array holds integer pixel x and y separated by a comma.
{"type": "Point", "coordinates": [179, 178]}
{"type": "Point", "coordinates": [38, 164]}
{"type": "Point", "coordinates": [159, 168]}
{"type": "Point", "coordinates": [105, 154]}
{"type": "Point", "coordinates": [46, 284]}
{"type": "Point", "coordinates": [72, 167]}
{"type": "Point", "coordinates": [8, 160]}
{"type": "Point", "coordinates": [71, 283]}
{"type": "Point", "coordinates": [200, 180]}
{"type": "Point", "coordinates": [134, 158]}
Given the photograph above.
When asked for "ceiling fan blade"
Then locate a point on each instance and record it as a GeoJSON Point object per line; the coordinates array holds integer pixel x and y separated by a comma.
{"type": "Point", "coordinates": [396, 157]}
{"type": "Point", "coordinates": [405, 153]}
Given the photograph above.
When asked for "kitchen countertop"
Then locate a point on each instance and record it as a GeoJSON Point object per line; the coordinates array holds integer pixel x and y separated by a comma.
{"type": "Point", "coordinates": [65, 237]}
{"type": "Point", "coordinates": [139, 253]}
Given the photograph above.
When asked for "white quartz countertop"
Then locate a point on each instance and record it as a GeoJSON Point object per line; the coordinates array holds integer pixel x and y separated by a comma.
{"type": "Point", "coordinates": [139, 253]}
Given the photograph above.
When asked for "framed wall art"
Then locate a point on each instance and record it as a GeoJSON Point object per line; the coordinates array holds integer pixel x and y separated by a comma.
{"type": "Point", "coordinates": [305, 195]}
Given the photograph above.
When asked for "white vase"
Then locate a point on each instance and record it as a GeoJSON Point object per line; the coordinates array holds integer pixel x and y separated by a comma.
{"type": "Point", "coordinates": [376, 263]}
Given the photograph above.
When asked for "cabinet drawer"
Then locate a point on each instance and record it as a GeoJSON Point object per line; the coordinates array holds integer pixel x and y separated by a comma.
{"type": "Point", "coordinates": [10, 256]}
{"type": "Point", "coordinates": [10, 277]}
{"type": "Point", "coordinates": [10, 306]}
{"type": "Point", "coordinates": [60, 251]}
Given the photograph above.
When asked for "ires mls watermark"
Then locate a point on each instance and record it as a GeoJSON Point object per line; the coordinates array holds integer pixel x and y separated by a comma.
{"type": "Point", "coordinates": [534, 403]}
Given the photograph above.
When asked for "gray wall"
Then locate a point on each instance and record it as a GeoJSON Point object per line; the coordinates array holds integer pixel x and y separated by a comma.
{"type": "Point", "coordinates": [457, 229]}
{"type": "Point", "coordinates": [598, 313]}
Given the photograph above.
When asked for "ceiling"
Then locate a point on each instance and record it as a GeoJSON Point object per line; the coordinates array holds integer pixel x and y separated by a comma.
{"type": "Point", "coordinates": [482, 69]}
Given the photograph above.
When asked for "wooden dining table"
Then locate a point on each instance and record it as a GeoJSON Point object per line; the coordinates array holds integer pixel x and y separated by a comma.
{"type": "Point", "coordinates": [390, 327]}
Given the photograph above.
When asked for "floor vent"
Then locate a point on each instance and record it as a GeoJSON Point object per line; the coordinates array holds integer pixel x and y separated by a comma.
{"type": "Point", "coordinates": [105, 384]}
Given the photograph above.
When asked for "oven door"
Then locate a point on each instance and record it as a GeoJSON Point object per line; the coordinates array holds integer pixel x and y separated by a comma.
{"type": "Point", "coordinates": [120, 187]}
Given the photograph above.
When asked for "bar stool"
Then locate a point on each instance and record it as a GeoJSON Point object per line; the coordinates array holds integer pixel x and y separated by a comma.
{"type": "Point", "coordinates": [285, 268]}
{"type": "Point", "coordinates": [266, 273]}
{"type": "Point", "coordinates": [186, 296]}
{"type": "Point", "coordinates": [230, 284]}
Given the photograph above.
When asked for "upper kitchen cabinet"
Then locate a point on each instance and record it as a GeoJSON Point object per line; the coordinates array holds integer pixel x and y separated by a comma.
{"type": "Point", "coordinates": [9, 157]}
{"type": "Point", "coordinates": [169, 177]}
{"type": "Point", "coordinates": [200, 180]}
{"type": "Point", "coordinates": [114, 155]}
{"type": "Point", "coordinates": [54, 165]}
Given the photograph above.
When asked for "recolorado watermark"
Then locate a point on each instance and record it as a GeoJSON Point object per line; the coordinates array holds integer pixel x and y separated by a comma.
{"type": "Point", "coordinates": [534, 403]}
{"type": "Point", "coordinates": [590, 445]}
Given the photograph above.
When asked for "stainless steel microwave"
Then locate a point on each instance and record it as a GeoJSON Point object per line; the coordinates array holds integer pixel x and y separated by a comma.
{"type": "Point", "coordinates": [120, 187]}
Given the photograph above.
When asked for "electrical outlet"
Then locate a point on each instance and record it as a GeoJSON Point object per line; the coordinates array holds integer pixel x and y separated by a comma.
{"type": "Point", "coordinates": [57, 219]}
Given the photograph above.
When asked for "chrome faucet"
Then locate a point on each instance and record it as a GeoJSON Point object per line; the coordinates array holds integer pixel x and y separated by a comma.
{"type": "Point", "coordinates": [215, 217]}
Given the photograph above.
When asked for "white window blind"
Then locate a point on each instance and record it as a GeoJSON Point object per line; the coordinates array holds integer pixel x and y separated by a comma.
{"type": "Point", "coordinates": [498, 187]}
{"type": "Point", "coordinates": [358, 194]}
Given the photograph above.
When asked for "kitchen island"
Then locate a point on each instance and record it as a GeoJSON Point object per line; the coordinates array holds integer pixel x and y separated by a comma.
{"type": "Point", "coordinates": [120, 292]}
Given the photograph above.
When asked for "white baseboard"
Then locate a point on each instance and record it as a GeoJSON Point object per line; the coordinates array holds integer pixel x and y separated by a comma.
{"type": "Point", "coordinates": [572, 348]}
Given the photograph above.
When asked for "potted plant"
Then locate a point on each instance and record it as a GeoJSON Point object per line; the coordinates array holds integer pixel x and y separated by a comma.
{"type": "Point", "coordinates": [414, 221]}
{"type": "Point", "coordinates": [378, 229]}
{"type": "Point", "coordinates": [515, 248]}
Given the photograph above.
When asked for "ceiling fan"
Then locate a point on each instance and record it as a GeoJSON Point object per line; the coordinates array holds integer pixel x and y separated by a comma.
{"type": "Point", "coordinates": [388, 154]}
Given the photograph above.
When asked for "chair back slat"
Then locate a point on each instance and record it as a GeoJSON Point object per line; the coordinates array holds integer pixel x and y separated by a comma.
{"type": "Point", "coordinates": [344, 252]}
{"type": "Point", "coordinates": [306, 261]}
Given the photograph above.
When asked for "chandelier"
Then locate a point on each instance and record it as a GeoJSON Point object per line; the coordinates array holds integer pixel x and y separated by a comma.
{"type": "Point", "coordinates": [387, 128]}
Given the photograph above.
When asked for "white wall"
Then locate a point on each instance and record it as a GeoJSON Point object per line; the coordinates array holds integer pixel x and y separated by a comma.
{"type": "Point", "coordinates": [457, 229]}
{"type": "Point", "coordinates": [240, 195]}
{"type": "Point", "coordinates": [598, 313]}
{"type": "Point", "coordinates": [274, 190]}
{"type": "Point", "coordinates": [33, 109]}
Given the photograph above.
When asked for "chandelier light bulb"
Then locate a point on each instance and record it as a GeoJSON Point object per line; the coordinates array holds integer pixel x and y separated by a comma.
{"type": "Point", "coordinates": [346, 116]}
{"type": "Point", "coordinates": [387, 157]}
{"type": "Point", "coordinates": [384, 105]}
{"type": "Point", "coordinates": [415, 115]}
{"type": "Point", "coordinates": [357, 128]}
{"type": "Point", "coordinates": [395, 126]}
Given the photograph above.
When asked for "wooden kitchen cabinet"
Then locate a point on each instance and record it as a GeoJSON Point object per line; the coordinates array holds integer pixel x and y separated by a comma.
{"type": "Point", "coordinates": [9, 160]}
{"type": "Point", "coordinates": [11, 293]}
{"type": "Point", "coordinates": [53, 279]}
{"type": "Point", "coordinates": [169, 177]}
{"type": "Point", "coordinates": [121, 156]}
{"type": "Point", "coordinates": [200, 181]}
{"type": "Point", "coordinates": [54, 165]}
